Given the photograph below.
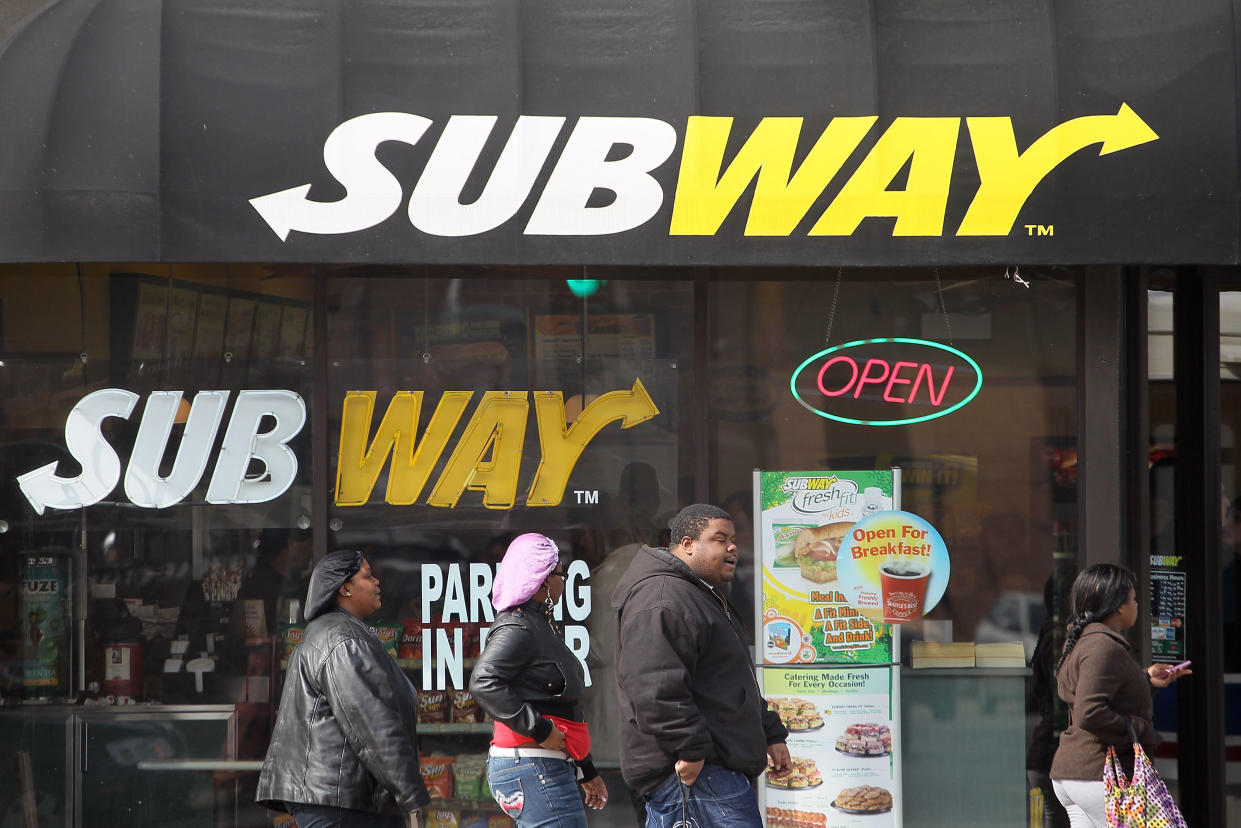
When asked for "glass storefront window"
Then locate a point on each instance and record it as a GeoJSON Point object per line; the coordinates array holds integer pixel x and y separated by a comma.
{"type": "Point", "coordinates": [465, 406]}
{"type": "Point", "coordinates": [155, 503]}
{"type": "Point", "coordinates": [473, 406]}
{"type": "Point", "coordinates": [997, 478]}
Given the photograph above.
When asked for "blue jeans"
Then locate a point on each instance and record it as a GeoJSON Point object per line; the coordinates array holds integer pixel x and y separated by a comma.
{"type": "Point", "coordinates": [536, 791]}
{"type": "Point", "coordinates": [327, 816]}
{"type": "Point", "coordinates": [718, 797]}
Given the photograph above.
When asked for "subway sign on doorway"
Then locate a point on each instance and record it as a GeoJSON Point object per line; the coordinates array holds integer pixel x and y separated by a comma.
{"type": "Point", "coordinates": [900, 169]}
{"type": "Point", "coordinates": [254, 462]}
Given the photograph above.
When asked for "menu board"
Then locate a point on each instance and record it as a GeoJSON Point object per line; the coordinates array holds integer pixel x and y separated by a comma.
{"type": "Point", "coordinates": [181, 323]}
{"type": "Point", "coordinates": [624, 341]}
{"type": "Point", "coordinates": [150, 320]}
{"type": "Point", "coordinates": [843, 739]}
{"type": "Point", "coordinates": [805, 523]}
{"type": "Point", "coordinates": [1167, 615]}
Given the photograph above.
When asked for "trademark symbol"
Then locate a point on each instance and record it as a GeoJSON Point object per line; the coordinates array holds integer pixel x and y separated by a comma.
{"type": "Point", "coordinates": [1040, 229]}
{"type": "Point", "coordinates": [587, 496]}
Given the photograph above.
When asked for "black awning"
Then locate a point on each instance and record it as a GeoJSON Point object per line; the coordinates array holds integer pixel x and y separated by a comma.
{"type": "Point", "coordinates": [651, 132]}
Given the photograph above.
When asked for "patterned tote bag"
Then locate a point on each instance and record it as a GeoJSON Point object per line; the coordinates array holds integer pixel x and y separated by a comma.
{"type": "Point", "coordinates": [1144, 801]}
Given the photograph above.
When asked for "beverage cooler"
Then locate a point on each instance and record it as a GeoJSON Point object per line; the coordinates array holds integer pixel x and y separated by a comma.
{"type": "Point", "coordinates": [137, 693]}
{"type": "Point", "coordinates": [157, 765]}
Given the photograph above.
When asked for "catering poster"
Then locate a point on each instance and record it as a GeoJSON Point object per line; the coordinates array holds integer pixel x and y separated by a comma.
{"type": "Point", "coordinates": [844, 741]}
{"type": "Point", "coordinates": [805, 519]}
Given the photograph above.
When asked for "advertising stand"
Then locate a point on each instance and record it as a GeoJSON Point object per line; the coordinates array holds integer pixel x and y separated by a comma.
{"type": "Point", "coordinates": [841, 568]}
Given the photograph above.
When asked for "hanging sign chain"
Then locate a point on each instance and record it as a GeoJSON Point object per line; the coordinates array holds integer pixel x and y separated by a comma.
{"type": "Point", "coordinates": [426, 320]}
{"type": "Point", "coordinates": [831, 316]}
{"type": "Point", "coordinates": [1014, 273]}
{"type": "Point", "coordinates": [943, 308]}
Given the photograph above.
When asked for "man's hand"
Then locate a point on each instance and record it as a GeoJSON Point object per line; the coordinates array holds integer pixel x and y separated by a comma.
{"type": "Point", "coordinates": [778, 758]}
{"type": "Point", "coordinates": [688, 772]}
{"type": "Point", "coordinates": [554, 740]}
{"type": "Point", "coordinates": [415, 820]}
{"type": "Point", "coordinates": [596, 793]}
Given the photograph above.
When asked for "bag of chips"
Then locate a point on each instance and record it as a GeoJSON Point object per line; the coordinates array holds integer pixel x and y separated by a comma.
{"type": "Point", "coordinates": [470, 777]}
{"type": "Point", "coordinates": [290, 637]}
{"type": "Point", "coordinates": [437, 818]}
{"type": "Point", "coordinates": [389, 636]}
{"type": "Point", "coordinates": [411, 639]}
{"type": "Point", "coordinates": [432, 706]}
{"type": "Point", "coordinates": [463, 707]}
{"type": "Point", "coordinates": [437, 775]}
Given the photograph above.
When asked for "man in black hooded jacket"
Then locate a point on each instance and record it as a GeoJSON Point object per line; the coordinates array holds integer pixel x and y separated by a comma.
{"type": "Point", "coordinates": [690, 707]}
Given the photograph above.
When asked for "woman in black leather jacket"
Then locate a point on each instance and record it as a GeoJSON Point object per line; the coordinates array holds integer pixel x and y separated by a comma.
{"type": "Point", "coordinates": [532, 685]}
{"type": "Point", "coordinates": [344, 748]}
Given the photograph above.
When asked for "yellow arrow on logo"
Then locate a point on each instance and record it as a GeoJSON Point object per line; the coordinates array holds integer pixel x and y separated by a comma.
{"type": "Point", "coordinates": [1008, 177]}
{"type": "Point", "coordinates": [562, 446]}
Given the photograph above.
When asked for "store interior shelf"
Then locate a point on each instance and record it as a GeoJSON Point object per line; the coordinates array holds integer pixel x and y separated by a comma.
{"type": "Point", "coordinates": [978, 672]}
{"type": "Point", "coordinates": [405, 663]}
{"type": "Point", "coordinates": [465, 805]}
{"type": "Point", "coordinates": [416, 663]}
{"type": "Point", "coordinates": [454, 727]}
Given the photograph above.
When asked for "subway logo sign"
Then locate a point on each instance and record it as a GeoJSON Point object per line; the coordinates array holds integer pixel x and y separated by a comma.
{"type": "Point", "coordinates": [906, 174]}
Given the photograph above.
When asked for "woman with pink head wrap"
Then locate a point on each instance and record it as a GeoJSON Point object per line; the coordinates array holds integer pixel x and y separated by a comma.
{"type": "Point", "coordinates": [532, 685]}
{"type": "Point", "coordinates": [530, 558]}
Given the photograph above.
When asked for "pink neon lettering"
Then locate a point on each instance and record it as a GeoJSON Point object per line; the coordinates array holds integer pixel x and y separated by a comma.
{"type": "Point", "coordinates": [847, 385]}
{"type": "Point", "coordinates": [867, 378]}
{"type": "Point", "coordinates": [879, 372]}
{"type": "Point", "coordinates": [895, 380]}
{"type": "Point", "coordinates": [930, 385]}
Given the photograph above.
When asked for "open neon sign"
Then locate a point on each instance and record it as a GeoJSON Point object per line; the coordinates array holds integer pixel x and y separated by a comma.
{"type": "Point", "coordinates": [880, 382]}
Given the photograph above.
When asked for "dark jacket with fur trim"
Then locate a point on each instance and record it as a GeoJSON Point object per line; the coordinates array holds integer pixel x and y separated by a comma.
{"type": "Point", "coordinates": [685, 678]}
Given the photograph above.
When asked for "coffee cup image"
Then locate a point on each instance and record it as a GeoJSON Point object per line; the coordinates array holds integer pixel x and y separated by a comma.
{"type": "Point", "coordinates": [902, 586]}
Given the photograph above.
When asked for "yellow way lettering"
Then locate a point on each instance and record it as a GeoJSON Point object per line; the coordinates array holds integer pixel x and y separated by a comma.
{"type": "Point", "coordinates": [1008, 177]}
{"type": "Point", "coordinates": [358, 467]}
{"type": "Point", "coordinates": [562, 445]}
{"type": "Point", "coordinates": [487, 456]}
{"type": "Point", "coordinates": [705, 196]}
{"type": "Point", "coordinates": [708, 187]}
{"type": "Point", "coordinates": [928, 146]}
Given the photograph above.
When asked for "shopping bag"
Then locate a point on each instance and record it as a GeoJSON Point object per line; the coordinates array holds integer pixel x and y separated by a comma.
{"type": "Point", "coordinates": [1141, 802]}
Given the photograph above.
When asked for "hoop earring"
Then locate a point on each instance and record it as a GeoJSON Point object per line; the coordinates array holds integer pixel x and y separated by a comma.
{"type": "Point", "coordinates": [549, 609]}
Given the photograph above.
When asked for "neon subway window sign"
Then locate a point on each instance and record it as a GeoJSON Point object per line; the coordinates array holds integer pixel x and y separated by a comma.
{"type": "Point", "coordinates": [886, 382]}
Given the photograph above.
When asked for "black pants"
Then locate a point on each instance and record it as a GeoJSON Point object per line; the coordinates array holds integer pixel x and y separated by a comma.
{"type": "Point", "coordinates": [326, 816]}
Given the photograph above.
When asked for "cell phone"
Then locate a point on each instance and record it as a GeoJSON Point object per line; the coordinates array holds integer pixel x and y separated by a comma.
{"type": "Point", "coordinates": [1176, 667]}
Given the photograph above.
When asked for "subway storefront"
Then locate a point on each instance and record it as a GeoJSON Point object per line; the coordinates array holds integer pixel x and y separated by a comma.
{"type": "Point", "coordinates": [278, 279]}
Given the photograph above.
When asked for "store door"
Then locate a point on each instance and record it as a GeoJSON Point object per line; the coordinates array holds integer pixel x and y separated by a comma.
{"type": "Point", "coordinates": [1193, 399]}
{"type": "Point", "coordinates": [1230, 553]}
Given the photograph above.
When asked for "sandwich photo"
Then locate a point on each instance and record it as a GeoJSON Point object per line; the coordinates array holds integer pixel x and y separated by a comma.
{"type": "Point", "coordinates": [816, 551]}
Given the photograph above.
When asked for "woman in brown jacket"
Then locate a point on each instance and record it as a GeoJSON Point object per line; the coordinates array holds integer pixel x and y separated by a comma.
{"type": "Point", "coordinates": [1102, 683]}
